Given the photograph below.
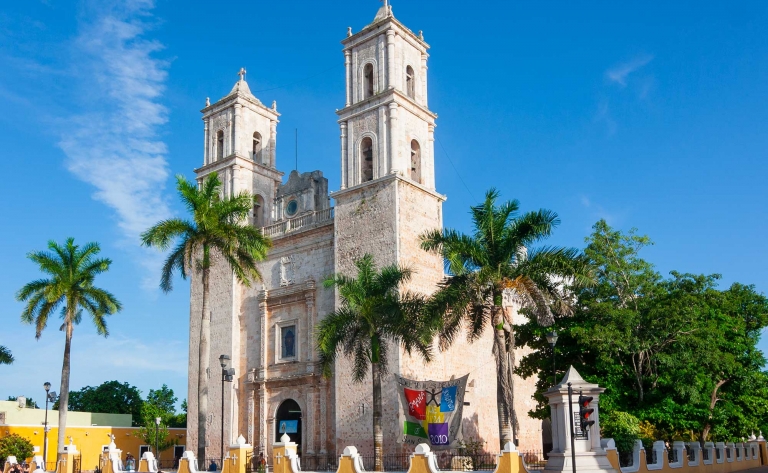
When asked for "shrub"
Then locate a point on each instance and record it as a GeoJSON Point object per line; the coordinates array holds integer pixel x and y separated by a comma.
{"type": "Point", "coordinates": [15, 445]}
{"type": "Point", "coordinates": [622, 427]}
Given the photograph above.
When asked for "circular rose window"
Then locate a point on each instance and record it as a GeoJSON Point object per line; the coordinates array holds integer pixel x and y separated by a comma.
{"type": "Point", "coordinates": [292, 208]}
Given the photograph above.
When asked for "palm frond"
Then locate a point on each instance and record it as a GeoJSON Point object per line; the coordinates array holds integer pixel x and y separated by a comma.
{"type": "Point", "coordinates": [6, 358]}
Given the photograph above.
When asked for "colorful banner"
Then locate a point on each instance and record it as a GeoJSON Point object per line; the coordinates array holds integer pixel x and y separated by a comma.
{"type": "Point", "coordinates": [430, 411]}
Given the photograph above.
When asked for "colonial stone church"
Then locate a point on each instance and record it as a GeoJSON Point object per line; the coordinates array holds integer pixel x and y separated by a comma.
{"type": "Point", "coordinates": [386, 200]}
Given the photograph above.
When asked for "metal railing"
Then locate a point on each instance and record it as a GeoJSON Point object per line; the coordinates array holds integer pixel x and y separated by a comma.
{"type": "Point", "coordinates": [293, 224]}
{"type": "Point", "coordinates": [391, 462]}
{"type": "Point", "coordinates": [320, 463]}
{"type": "Point", "coordinates": [534, 459]}
{"type": "Point", "coordinates": [466, 461]}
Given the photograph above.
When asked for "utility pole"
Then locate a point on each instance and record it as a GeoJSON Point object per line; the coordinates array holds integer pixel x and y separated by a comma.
{"type": "Point", "coordinates": [573, 430]}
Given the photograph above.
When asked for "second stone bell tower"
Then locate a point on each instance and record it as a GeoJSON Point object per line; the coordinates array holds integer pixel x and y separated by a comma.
{"type": "Point", "coordinates": [386, 201]}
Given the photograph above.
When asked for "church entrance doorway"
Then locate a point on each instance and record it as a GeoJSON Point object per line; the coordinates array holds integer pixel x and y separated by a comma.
{"type": "Point", "coordinates": [288, 421]}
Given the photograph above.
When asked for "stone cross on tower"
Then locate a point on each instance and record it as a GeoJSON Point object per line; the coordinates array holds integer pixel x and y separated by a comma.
{"type": "Point", "coordinates": [242, 73]}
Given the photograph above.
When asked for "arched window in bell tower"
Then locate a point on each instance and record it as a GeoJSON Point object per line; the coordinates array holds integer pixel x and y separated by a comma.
{"type": "Point", "coordinates": [415, 161]}
{"type": "Point", "coordinates": [219, 144]}
{"type": "Point", "coordinates": [410, 82]}
{"type": "Point", "coordinates": [258, 211]}
{"type": "Point", "coordinates": [366, 158]}
{"type": "Point", "coordinates": [257, 147]}
{"type": "Point", "coordinates": [368, 81]}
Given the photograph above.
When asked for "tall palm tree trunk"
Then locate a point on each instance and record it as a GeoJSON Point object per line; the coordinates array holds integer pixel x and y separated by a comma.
{"type": "Point", "coordinates": [378, 433]}
{"type": "Point", "coordinates": [64, 390]}
{"type": "Point", "coordinates": [504, 387]}
{"type": "Point", "coordinates": [204, 355]}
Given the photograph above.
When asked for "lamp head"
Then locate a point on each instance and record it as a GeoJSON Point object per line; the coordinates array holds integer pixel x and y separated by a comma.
{"type": "Point", "coordinates": [224, 359]}
{"type": "Point", "coordinates": [47, 386]}
{"type": "Point", "coordinates": [157, 420]}
{"type": "Point", "coordinates": [552, 338]}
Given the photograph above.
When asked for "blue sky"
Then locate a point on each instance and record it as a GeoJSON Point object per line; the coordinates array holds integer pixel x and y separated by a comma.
{"type": "Point", "coordinates": [650, 115]}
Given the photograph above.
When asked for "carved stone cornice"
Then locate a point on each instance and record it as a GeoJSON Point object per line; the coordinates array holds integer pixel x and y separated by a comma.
{"type": "Point", "coordinates": [287, 294]}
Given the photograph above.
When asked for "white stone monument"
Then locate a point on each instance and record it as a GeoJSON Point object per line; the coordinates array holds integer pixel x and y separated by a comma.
{"type": "Point", "coordinates": [590, 455]}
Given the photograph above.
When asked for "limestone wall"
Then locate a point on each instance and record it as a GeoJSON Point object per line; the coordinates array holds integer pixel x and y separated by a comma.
{"type": "Point", "coordinates": [291, 293]}
{"type": "Point", "coordinates": [221, 308]}
{"type": "Point", "coordinates": [366, 224]}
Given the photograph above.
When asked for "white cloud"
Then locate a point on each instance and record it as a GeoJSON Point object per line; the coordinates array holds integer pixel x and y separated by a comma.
{"type": "Point", "coordinates": [113, 144]}
{"type": "Point", "coordinates": [620, 72]}
{"type": "Point", "coordinates": [603, 115]}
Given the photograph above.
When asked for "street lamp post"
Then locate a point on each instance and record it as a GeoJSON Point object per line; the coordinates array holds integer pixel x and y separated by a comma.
{"type": "Point", "coordinates": [552, 340]}
{"type": "Point", "coordinates": [47, 387]}
{"type": "Point", "coordinates": [227, 375]}
{"type": "Point", "coordinates": [157, 438]}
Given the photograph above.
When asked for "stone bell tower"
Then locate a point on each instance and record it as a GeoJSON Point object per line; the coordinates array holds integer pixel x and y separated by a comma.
{"type": "Point", "coordinates": [239, 145]}
{"type": "Point", "coordinates": [386, 127]}
{"type": "Point", "coordinates": [387, 197]}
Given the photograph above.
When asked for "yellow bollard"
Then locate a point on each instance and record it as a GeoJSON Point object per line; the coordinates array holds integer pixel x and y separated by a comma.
{"type": "Point", "coordinates": [350, 461]}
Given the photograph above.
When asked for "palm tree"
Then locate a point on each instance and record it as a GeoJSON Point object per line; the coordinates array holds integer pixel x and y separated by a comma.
{"type": "Point", "coordinates": [374, 313]}
{"type": "Point", "coordinates": [494, 259]}
{"type": "Point", "coordinates": [6, 358]}
{"type": "Point", "coordinates": [69, 288]}
{"type": "Point", "coordinates": [218, 227]}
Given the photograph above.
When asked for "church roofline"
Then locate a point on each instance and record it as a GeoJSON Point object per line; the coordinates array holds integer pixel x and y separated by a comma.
{"type": "Point", "coordinates": [362, 34]}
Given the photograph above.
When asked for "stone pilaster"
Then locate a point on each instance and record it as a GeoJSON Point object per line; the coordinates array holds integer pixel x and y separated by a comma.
{"type": "Point", "coordinates": [384, 164]}
{"type": "Point", "coordinates": [206, 146]}
{"type": "Point", "coordinates": [344, 150]}
{"type": "Point", "coordinates": [424, 80]}
{"type": "Point", "coordinates": [272, 143]}
{"type": "Point", "coordinates": [251, 409]}
{"type": "Point", "coordinates": [263, 421]}
{"type": "Point", "coordinates": [348, 75]}
{"type": "Point", "coordinates": [391, 59]}
{"type": "Point", "coordinates": [393, 149]}
{"type": "Point", "coordinates": [236, 132]}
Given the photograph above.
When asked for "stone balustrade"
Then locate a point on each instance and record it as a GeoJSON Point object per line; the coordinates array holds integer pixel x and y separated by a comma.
{"type": "Point", "coordinates": [691, 458]}
{"type": "Point", "coordinates": [302, 222]}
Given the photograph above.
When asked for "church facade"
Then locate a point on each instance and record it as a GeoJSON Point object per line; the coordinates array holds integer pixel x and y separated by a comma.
{"type": "Point", "coordinates": [387, 198]}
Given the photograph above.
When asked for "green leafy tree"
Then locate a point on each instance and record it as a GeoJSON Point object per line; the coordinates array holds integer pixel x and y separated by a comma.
{"type": "Point", "coordinates": [6, 358]}
{"type": "Point", "coordinates": [163, 402]}
{"type": "Point", "coordinates": [219, 230]}
{"type": "Point", "coordinates": [180, 419]}
{"type": "Point", "coordinates": [110, 397]}
{"type": "Point", "coordinates": [150, 432]}
{"type": "Point", "coordinates": [29, 402]}
{"type": "Point", "coordinates": [622, 427]}
{"type": "Point", "coordinates": [611, 338]}
{"type": "Point", "coordinates": [375, 313]}
{"type": "Point", "coordinates": [679, 354]}
{"type": "Point", "coordinates": [17, 446]}
{"type": "Point", "coordinates": [69, 290]}
{"type": "Point", "coordinates": [163, 399]}
{"type": "Point", "coordinates": [716, 370]}
{"type": "Point", "coordinates": [495, 258]}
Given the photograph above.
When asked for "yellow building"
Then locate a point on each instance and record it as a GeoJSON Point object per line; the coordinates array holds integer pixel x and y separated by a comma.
{"type": "Point", "coordinates": [89, 432]}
